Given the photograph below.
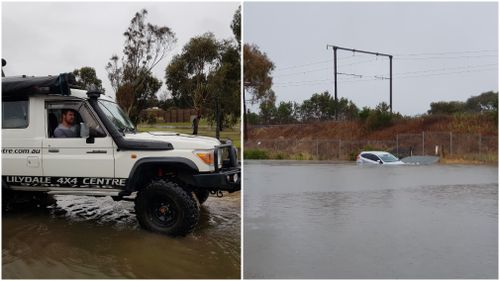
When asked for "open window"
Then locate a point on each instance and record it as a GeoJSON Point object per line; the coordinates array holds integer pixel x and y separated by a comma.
{"type": "Point", "coordinates": [82, 125]}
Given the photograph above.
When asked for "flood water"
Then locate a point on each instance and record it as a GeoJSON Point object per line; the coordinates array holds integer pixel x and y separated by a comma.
{"type": "Point", "coordinates": [86, 237]}
{"type": "Point", "coordinates": [344, 221]}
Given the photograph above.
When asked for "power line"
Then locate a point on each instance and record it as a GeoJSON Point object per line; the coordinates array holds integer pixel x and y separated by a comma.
{"type": "Point", "coordinates": [445, 69]}
{"type": "Point", "coordinates": [302, 65]}
{"type": "Point", "coordinates": [436, 55]}
{"type": "Point", "coordinates": [374, 78]}
{"type": "Point", "coordinates": [351, 74]}
{"type": "Point", "coordinates": [324, 68]}
{"type": "Point", "coordinates": [445, 58]}
{"type": "Point", "coordinates": [302, 72]}
{"type": "Point", "coordinates": [447, 53]}
{"type": "Point", "coordinates": [447, 73]}
{"type": "Point", "coordinates": [282, 69]}
{"type": "Point", "coordinates": [321, 69]}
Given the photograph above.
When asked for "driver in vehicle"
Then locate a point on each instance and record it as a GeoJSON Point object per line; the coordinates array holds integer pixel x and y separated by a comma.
{"type": "Point", "coordinates": [67, 128]}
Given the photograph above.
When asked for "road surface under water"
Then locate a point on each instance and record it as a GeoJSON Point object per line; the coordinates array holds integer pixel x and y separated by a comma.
{"type": "Point", "coordinates": [86, 237]}
{"type": "Point", "coordinates": [344, 221]}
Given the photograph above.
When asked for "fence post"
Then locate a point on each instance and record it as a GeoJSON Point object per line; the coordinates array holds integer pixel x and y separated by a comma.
{"type": "Point", "coordinates": [397, 144]}
{"type": "Point", "coordinates": [480, 139]}
{"type": "Point", "coordinates": [340, 143]}
{"type": "Point", "coordinates": [423, 143]}
{"type": "Point", "coordinates": [451, 143]}
{"type": "Point", "coordinates": [317, 149]}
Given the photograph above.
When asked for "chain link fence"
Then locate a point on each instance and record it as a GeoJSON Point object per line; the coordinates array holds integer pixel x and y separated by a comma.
{"type": "Point", "coordinates": [443, 144]}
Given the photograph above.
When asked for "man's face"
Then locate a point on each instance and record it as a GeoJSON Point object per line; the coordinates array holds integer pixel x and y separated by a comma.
{"type": "Point", "coordinates": [69, 117]}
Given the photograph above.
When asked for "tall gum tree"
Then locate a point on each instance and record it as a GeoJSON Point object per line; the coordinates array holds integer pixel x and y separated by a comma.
{"type": "Point", "coordinates": [188, 73]}
{"type": "Point", "coordinates": [257, 68]}
{"type": "Point", "coordinates": [131, 76]}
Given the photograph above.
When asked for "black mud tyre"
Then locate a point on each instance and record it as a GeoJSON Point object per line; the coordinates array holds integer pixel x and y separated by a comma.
{"type": "Point", "coordinates": [164, 207]}
{"type": "Point", "coordinates": [202, 195]}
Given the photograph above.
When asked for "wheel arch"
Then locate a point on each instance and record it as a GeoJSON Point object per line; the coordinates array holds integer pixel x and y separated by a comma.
{"type": "Point", "coordinates": [146, 168]}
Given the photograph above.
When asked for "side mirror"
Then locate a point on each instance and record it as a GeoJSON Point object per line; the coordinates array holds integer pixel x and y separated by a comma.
{"type": "Point", "coordinates": [379, 161]}
{"type": "Point", "coordinates": [93, 133]}
{"type": "Point", "coordinates": [90, 139]}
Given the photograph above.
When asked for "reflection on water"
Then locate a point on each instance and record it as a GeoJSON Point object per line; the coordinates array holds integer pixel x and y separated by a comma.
{"type": "Point", "coordinates": [87, 237]}
{"type": "Point", "coordinates": [344, 221]}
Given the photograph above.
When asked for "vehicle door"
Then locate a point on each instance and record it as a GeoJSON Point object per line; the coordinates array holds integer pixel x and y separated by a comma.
{"type": "Point", "coordinates": [77, 160]}
{"type": "Point", "coordinates": [21, 140]}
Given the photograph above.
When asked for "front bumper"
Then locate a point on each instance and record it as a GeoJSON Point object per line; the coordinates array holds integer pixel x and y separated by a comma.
{"type": "Point", "coordinates": [228, 176]}
{"type": "Point", "coordinates": [227, 180]}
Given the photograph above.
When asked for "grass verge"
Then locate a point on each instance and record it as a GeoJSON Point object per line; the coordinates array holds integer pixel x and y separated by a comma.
{"type": "Point", "coordinates": [229, 133]}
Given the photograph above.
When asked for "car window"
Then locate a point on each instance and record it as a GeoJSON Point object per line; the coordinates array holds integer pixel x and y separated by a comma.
{"type": "Point", "coordinates": [370, 156]}
{"type": "Point", "coordinates": [388, 157]}
{"type": "Point", "coordinates": [83, 120]}
{"type": "Point", "coordinates": [15, 114]}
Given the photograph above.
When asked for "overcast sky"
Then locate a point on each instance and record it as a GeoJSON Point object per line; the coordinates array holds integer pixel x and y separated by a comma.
{"type": "Point", "coordinates": [442, 51]}
{"type": "Point", "coordinates": [51, 38]}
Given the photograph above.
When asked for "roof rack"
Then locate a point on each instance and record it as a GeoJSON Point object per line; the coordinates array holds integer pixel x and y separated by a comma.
{"type": "Point", "coordinates": [24, 85]}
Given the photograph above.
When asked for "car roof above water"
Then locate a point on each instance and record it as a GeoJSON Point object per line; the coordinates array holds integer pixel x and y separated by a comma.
{"type": "Point", "coordinates": [376, 152]}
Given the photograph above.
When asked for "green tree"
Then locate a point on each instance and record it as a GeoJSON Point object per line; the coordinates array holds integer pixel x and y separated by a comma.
{"type": "Point", "coordinates": [346, 109]}
{"type": "Point", "coordinates": [285, 112]}
{"type": "Point", "coordinates": [318, 107]}
{"type": "Point", "coordinates": [253, 118]}
{"type": "Point", "coordinates": [188, 73]}
{"type": "Point", "coordinates": [379, 118]}
{"type": "Point", "coordinates": [447, 107]}
{"type": "Point", "coordinates": [268, 111]}
{"type": "Point", "coordinates": [236, 26]}
{"type": "Point", "coordinates": [131, 77]}
{"type": "Point", "coordinates": [364, 113]}
{"type": "Point", "coordinates": [165, 102]}
{"type": "Point", "coordinates": [485, 102]}
{"type": "Point", "coordinates": [132, 103]}
{"type": "Point", "coordinates": [86, 78]}
{"type": "Point", "coordinates": [225, 83]}
{"type": "Point", "coordinates": [257, 74]}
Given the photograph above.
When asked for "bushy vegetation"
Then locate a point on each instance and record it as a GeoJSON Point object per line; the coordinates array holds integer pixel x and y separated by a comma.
{"type": "Point", "coordinates": [255, 154]}
{"type": "Point", "coordinates": [323, 107]}
{"type": "Point", "coordinates": [320, 107]}
{"type": "Point", "coordinates": [483, 103]}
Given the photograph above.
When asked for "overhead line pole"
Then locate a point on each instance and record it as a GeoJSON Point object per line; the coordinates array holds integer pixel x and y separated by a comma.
{"type": "Point", "coordinates": [335, 79]}
{"type": "Point", "coordinates": [390, 83]}
{"type": "Point", "coordinates": [335, 48]}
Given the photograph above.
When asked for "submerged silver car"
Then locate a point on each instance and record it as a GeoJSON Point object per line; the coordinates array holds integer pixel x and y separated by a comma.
{"type": "Point", "coordinates": [378, 157]}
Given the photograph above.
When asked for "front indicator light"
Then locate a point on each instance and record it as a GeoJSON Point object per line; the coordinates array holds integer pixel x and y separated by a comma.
{"type": "Point", "coordinates": [206, 157]}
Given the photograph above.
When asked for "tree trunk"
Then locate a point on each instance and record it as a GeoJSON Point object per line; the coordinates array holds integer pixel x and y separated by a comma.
{"type": "Point", "coordinates": [195, 126]}
{"type": "Point", "coordinates": [245, 133]}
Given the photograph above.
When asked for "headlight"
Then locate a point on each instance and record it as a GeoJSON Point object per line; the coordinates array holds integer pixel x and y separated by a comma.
{"type": "Point", "coordinates": [207, 156]}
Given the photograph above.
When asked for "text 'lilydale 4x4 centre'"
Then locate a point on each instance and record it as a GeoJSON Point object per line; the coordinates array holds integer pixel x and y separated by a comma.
{"type": "Point", "coordinates": [63, 181]}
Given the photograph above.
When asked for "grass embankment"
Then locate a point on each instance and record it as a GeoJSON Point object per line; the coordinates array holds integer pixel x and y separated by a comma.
{"type": "Point", "coordinates": [483, 125]}
{"type": "Point", "coordinates": [203, 130]}
{"type": "Point", "coordinates": [261, 154]}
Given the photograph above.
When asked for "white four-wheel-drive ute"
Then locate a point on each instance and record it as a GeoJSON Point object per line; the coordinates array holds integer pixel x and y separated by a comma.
{"type": "Point", "coordinates": [59, 140]}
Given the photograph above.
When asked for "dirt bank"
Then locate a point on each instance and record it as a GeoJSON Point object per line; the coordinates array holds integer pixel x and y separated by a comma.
{"type": "Point", "coordinates": [354, 130]}
{"type": "Point", "coordinates": [457, 139]}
